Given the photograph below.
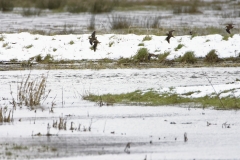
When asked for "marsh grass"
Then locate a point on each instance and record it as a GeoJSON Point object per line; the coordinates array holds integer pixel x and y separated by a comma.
{"type": "Point", "coordinates": [120, 22]}
{"type": "Point", "coordinates": [163, 57]}
{"type": "Point", "coordinates": [2, 38]}
{"type": "Point", "coordinates": [179, 47]}
{"type": "Point", "coordinates": [211, 57]}
{"type": "Point", "coordinates": [188, 57]}
{"type": "Point", "coordinates": [153, 98]}
{"type": "Point", "coordinates": [147, 38]}
{"type": "Point", "coordinates": [110, 43]}
{"type": "Point", "coordinates": [5, 45]}
{"type": "Point", "coordinates": [225, 37]}
{"type": "Point", "coordinates": [141, 44]}
{"type": "Point", "coordinates": [48, 59]}
{"type": "Point", "coordinates": [71, 42]}
{"type": "Point", "coordinates": [6, 115]}
{"type": "Point", "coordinates": [32, 92]}
{"type": "Point", "coordinates": [18, 147]}
{"type": "Point", "coordinates": [141, 55]}
{"type": "Point", "coordinates": [28, 46]}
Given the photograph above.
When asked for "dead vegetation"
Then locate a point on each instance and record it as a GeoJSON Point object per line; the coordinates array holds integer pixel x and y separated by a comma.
{"type": "Point", "coordinates": [6, 115]}
{"type": "Point", "coordinates": [32, 92]}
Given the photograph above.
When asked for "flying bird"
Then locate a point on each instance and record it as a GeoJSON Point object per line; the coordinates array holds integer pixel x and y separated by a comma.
{"type": "Point", "coordinates": [169, 35]}
{"type": "Point", "coordinates": [127, 147]}
{"type": "Point", "coordinates": [229, 27]}
{"type": "Point", "coordinates": [95, 43]}
{"type": "Point", "coordinates": [92, 37]}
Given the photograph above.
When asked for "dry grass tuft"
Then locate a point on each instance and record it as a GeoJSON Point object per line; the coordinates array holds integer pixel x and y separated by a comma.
{"type": "Point", "coordinates": [32, 92]}
{"type": "Point", "coordinates": [4, 117]}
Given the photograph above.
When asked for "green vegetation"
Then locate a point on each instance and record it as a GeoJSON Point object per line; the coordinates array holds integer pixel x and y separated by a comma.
{"type": "Point", "coordinates": [38, 58]}
{"type": "Point", "coordinates": [147, 38]}
{"type": "Point", "coordinates": [5, 45]}
{"type": "Point", "coordinates": [211, 57]}
{"type": "Point", "coordinates": [188, 57]}
{"type": "Point", "coordinates": [18, 147]}
{"type": "Point", "coordinates": [141, 55]}
{"type": "Point", "coordinates": [1, 38]}
{"type": "Point", "coordinates": [48, 58]}
{"type": "Point", "coordinates": [54, 49]}
{"type": "Point", "coordinates": [141, 44]}
{"type": "Point", "coordinates": [110, 44]}
{"type": "Point", "coordinates": [162, 57]}
{"type": "Point", "coordinates": [225, 37]}
{"type": "Point", "coordinates": [71, 42]}
{"type": "Point", "coordinates": [153, 98]}
{"type": "Point", "coordinates": [28, 46]}
{"type": "Point", "coordinates": [179, 47]}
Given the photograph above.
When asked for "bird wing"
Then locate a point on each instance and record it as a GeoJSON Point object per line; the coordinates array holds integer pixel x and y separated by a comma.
{"type": "Point", "coordinates": [171, 31]}
{"type": "Point", "coordinates": [93, 34]}
{"type": "Point", "coordinates": [168, 39]}
{"type": "Point", "coordinates": [91, 40]}
{"type": "Point", "coordinates": [228, 30]}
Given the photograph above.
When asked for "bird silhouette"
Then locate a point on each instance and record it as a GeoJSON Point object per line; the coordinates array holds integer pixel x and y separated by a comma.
{"type": "Point", "coordinates": [169, 35]}
{"type": "Point", "coordinates": [92, 37]}
{"type": "Point", "coordinates": [229, 27]}
{"type": "Point", "coordinates": [95, 43]}
{"type": "Point", "coordinates": [127, 147]}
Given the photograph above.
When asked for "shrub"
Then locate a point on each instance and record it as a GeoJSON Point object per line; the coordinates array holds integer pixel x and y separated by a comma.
{"type": "Point", "coordinates": [188, 57]}
{"type": "Point", "coordinates": [211, 57]}
{"type": "Point", "coordinates": [141, 55]}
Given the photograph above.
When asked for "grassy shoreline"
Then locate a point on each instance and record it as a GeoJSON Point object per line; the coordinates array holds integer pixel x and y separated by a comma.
{"type": "Point", "coordinates": [152, 98]}
{"type": "Point", "coordinates": [114, 64]}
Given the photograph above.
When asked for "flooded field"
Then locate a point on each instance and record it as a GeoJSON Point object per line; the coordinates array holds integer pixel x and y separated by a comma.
{"type": "Point", "coordinates": [94, 132]}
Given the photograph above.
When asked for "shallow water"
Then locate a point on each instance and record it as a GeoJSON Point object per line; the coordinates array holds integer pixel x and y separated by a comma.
{"type": "Point", "coordinates": [155, 132]}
